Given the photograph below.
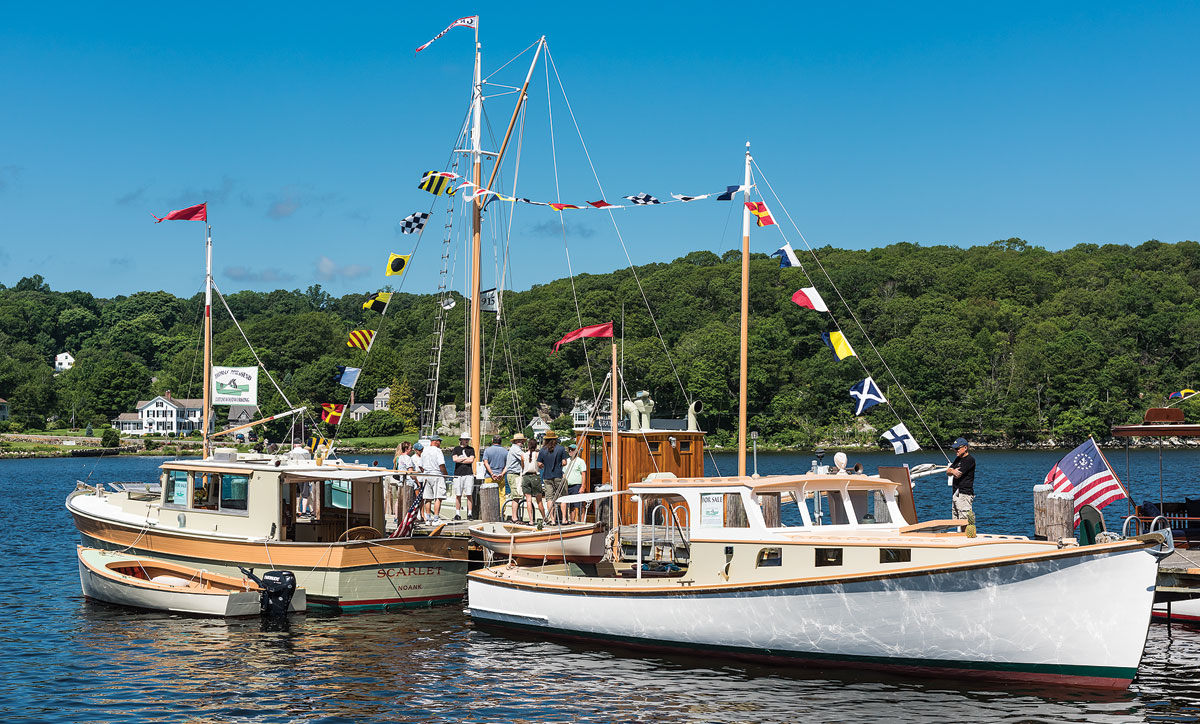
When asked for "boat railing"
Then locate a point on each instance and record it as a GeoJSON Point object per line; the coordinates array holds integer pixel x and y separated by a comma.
{"type": "Point", "coordinates": [672, 525]}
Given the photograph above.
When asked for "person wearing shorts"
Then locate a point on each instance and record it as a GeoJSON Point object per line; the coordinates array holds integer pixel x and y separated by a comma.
{"type": "Point", "coordinates": [433, 464]}
{"type": "Point", "coordinates": [550, 461]}
{"type": "Point", "coordinates": [464, 474]}
{"type": "Point", "coordinates": [573, 472]}
{"type": "Point", "coordinates": [531, 481]}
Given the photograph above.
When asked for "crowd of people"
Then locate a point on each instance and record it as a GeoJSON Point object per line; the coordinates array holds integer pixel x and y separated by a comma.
{"type": "Point", "coordinates": [531, 477]}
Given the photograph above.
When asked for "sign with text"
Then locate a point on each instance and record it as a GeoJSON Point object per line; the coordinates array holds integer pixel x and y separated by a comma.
{"type": "Point", "coordinates": [712, 510]}
{"type": "Point", "coordinates": [235, 386]}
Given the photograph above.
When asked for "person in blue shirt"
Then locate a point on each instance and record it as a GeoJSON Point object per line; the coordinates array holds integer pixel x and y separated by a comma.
{"type": "Point", "coordinates": [550, 462]}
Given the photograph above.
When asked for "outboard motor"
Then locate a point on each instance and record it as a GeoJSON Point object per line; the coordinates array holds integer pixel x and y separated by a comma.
{"type": "Point", "coordinates": [278, 587]}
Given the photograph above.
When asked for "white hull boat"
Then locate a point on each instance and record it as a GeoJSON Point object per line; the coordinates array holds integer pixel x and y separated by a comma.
{"type": "Point", "coordinates": [871, 594]}
{"type": "Point", "coordinates": [141, 582]}
{"type": "Point", "coordinates": [576, 543]}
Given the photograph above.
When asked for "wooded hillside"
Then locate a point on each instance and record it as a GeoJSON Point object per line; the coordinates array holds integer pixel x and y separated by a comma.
{"type": "Point", "coordinates": [1007, 342]}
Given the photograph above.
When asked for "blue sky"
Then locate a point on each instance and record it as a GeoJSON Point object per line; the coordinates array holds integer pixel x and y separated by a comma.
{"type": "Point", "coordinates": [306, 129]}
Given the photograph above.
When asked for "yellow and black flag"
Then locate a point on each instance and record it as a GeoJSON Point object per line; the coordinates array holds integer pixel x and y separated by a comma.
{"type": "Point", "coordinates": [397, 263]}
{"type": "Point", "coordinates": [436, 184]}
{"type": "Point", "coordinates": [316, 441]}
{"type": "Point", "coordinates": [360, 338]}
{"type": "Point", "coordinates": [378, 301]}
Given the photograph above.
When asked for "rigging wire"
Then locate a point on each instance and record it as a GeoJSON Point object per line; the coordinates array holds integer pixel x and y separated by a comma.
{"type": "Point", "coordinates": [617, 229]}
{"type": "Point", "coordinates": [854, 317]}
{"type": "Point", "coordinates": [561, 222]}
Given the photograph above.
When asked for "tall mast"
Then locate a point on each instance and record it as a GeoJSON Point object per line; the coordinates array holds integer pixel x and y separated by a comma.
{"type": "Point", "coordinates": [745, 331]}
{"type": "Point", "coordinates": [614, 457]}
{"type": "Point", "coordinates": [476, 379]}
{"type": "Point", "coordinates": [207, 334]}
{"type": "Point", "coordinates": [475, 385]}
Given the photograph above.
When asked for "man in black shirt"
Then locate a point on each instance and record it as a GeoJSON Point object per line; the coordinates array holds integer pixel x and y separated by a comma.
{"type": "Point", "coordinates": [962, 477]}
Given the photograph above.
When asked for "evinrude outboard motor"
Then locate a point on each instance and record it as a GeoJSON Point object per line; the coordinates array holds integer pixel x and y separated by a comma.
{"type": "Point", "coordinates": [278, 587]}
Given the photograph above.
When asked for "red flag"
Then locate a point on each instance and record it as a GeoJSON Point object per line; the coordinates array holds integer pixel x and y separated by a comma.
{"type": "Point", "coordinates": [332, 413]}
{"type": "Point", "coordinates": [595, 330]}
{"type": "Point", "coordinates": [599, 204]}
{"type": "Point", "coordinates": [759, 209]}
{"type": "Point", "coordinates": [199, 212]}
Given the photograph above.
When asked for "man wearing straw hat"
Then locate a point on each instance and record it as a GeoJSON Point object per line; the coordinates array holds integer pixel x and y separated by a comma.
{"type": "Point", "coordinates": [550, 462]}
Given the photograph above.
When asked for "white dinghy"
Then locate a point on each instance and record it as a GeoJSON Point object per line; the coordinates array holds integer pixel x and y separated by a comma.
{"type": "Point", "coordinates": [141, 582]}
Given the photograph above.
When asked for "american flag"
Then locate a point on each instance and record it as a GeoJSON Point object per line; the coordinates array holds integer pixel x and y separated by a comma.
{"type": "Point", "coordinates": [1085, 473]}
{"type": "Point", "coordinates": [404, 527]}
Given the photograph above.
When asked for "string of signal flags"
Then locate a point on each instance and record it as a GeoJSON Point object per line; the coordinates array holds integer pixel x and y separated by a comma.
{"type": "Point", "coordinates": [449, 183]}
{"type": "Point", "coordinates": [866, 393]}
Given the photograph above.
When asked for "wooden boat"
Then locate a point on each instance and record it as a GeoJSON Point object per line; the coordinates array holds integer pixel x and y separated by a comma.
{"type": "Point", "coordinates": [849, 582]}
{"type": "Point", "coordinates": [576, 543]}
{"type": "Point", "coordinates": [234, 511]}
{"type": "Point", "coordinates": [131, 580]}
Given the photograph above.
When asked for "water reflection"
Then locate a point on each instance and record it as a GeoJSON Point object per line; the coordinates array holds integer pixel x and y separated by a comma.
{"type": "Point", "coordinates": [66, 659]}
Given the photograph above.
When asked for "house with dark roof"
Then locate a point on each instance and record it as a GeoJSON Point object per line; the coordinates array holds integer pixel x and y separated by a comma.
{"type": "Point", "coordinates": [164, 414]}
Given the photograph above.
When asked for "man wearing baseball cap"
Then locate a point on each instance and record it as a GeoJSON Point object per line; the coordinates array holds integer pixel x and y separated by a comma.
{"type": "Point", "coordinates": [962, 478]}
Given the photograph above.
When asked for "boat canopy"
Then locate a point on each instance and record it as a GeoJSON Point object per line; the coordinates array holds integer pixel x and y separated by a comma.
{"type": "Point", "coordinates": [323, 474]}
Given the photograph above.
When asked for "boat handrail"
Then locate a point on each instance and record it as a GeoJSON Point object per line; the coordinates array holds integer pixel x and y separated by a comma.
{"type": "Point", "coordinates": [670, 516]}
{"type": "Point", "coordinates": [1137, 530]}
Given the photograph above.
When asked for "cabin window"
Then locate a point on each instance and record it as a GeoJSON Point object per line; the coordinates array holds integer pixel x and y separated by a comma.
{"type": "Point", "coordinates": [654, 447]}
{"type": "Point", "coordinates": [828, 557]}
{"type": "Point", "coordinates": [768, 557]}
{"type": "Point", "coordinates": [826, 507]}
{"type": "Point", "coordinates": [735, 512]}
{"type": "Point", "coordinates": [207, 491]}
{"type": "Point", "coordinates": [895, 555]}
{"type": "Point", "coordinates": [177, 488]}
{"type": "Point", "coordinates": [685, 446]}
{"type": "Point", "coordinates": [234, 492]}
{"type": "Point", "coordinates": [337, 494]}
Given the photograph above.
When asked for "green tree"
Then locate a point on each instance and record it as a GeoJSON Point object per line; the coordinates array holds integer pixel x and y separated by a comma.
{"type": "Point", "coordinates": [402, 405]}
{"type": "Point", "coordinates": [110, 438]}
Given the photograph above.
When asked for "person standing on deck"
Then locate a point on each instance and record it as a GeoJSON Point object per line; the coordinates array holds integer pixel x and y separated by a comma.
{"type": "Point", "coordinates": [962, 477]}
{"type": "Point", "coordinates": [573, 471]}
{"type": "Point", "coordinates": [464, 474]}
{"type": "Point", "coordinates": [495, 456]}
{"type": "Point", "coordinates": [531, 482]}
{"type": "Point", "coordinates": [550, 461]}
{"type": "Point", "coordinates": [403, 464]}
{"type": "Point", "coordinates": [433, 464]}
{"type": "Point", "coordinates": [514, 467]}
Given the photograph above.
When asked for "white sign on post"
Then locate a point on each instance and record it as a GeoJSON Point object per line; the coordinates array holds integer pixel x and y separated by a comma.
{"type": "Point", "coordinates": [235, 386]}
{"type": "Point", "coordinates": [712, 510]}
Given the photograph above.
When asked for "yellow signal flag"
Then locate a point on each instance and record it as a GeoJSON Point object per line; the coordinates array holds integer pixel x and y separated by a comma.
{"type": "Point", "coordinates": [839, 344]}
{"type": "Point", "coordinates": [396, 265]}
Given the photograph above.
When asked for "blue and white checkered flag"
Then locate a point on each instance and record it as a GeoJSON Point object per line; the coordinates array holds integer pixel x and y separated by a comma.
{"type": "Point", "coordinates": [868, 395]}
{"type": "Point", "coordinates": [901, 439]}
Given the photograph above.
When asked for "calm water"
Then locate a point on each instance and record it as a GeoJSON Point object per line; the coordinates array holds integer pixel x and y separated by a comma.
{"type": "Point", "coordinates": [65, 659]}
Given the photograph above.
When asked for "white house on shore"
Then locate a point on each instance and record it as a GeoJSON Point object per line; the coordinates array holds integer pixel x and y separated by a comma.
{"type": "Point", "coordinates": [3, 409]}
{"type": "Point", "coordinates": [63, 361]}
{"type": "Point", "coordinates": [359, 410]}
{"type": "Point", "coordinates": [383, 398]}
{"type": "Point", "coordinates": [164, 414]}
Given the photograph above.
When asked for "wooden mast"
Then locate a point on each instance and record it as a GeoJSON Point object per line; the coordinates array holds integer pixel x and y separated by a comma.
{"type": "Point", "coordinates": [476, 376]}
{"type": "Point", "coordinates": [614, 457]}
{"type": "Point", "coordinates": [207, 446]}
{"type": "Point", "coordinates": [745, 328]}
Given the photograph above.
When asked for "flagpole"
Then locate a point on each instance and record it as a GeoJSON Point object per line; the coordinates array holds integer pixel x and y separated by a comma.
{"type": "Point", "coordinates": [745, 322]}
{"type": "Point", "coordinates": [206, 448]}
{"type": "Point", "coordinates": [614, 458]}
